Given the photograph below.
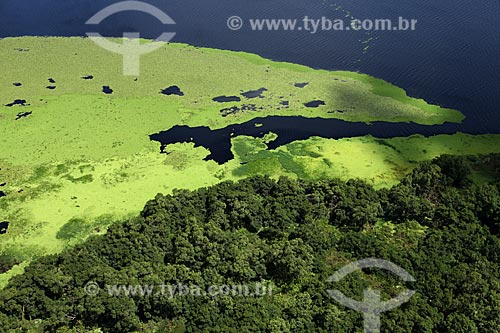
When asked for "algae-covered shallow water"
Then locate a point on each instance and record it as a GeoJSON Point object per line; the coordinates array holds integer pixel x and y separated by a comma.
{"type": "Point", "coordinates": [451, 59]}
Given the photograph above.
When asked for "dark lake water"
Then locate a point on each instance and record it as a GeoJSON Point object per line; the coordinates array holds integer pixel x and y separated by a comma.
{"type": "Point", "coordinates": [452, 59]}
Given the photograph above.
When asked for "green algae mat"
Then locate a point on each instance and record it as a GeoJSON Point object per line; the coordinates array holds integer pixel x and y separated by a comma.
{"type": "Point", "coordinates": [75, 158]}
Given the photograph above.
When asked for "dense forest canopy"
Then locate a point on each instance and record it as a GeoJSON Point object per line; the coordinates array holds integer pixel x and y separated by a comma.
{"type": "Point", "coordinates": [439, 224]}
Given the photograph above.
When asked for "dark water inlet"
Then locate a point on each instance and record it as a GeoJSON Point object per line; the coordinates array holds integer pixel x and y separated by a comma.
{"type": "Point", "coordinates": [289, 129]}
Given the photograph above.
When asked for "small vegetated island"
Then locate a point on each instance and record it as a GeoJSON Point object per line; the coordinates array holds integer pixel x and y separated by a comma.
{"type": "Point", "coordinates": [78, 148]}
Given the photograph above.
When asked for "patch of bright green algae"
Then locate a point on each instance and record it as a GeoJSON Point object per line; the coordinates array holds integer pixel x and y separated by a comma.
{"type": "Point", "coordinates": [380, 162]}
{"type": "Point", "coordinates": [83, 160]}
{"type": "Point", "coordinates": [202, 74]}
